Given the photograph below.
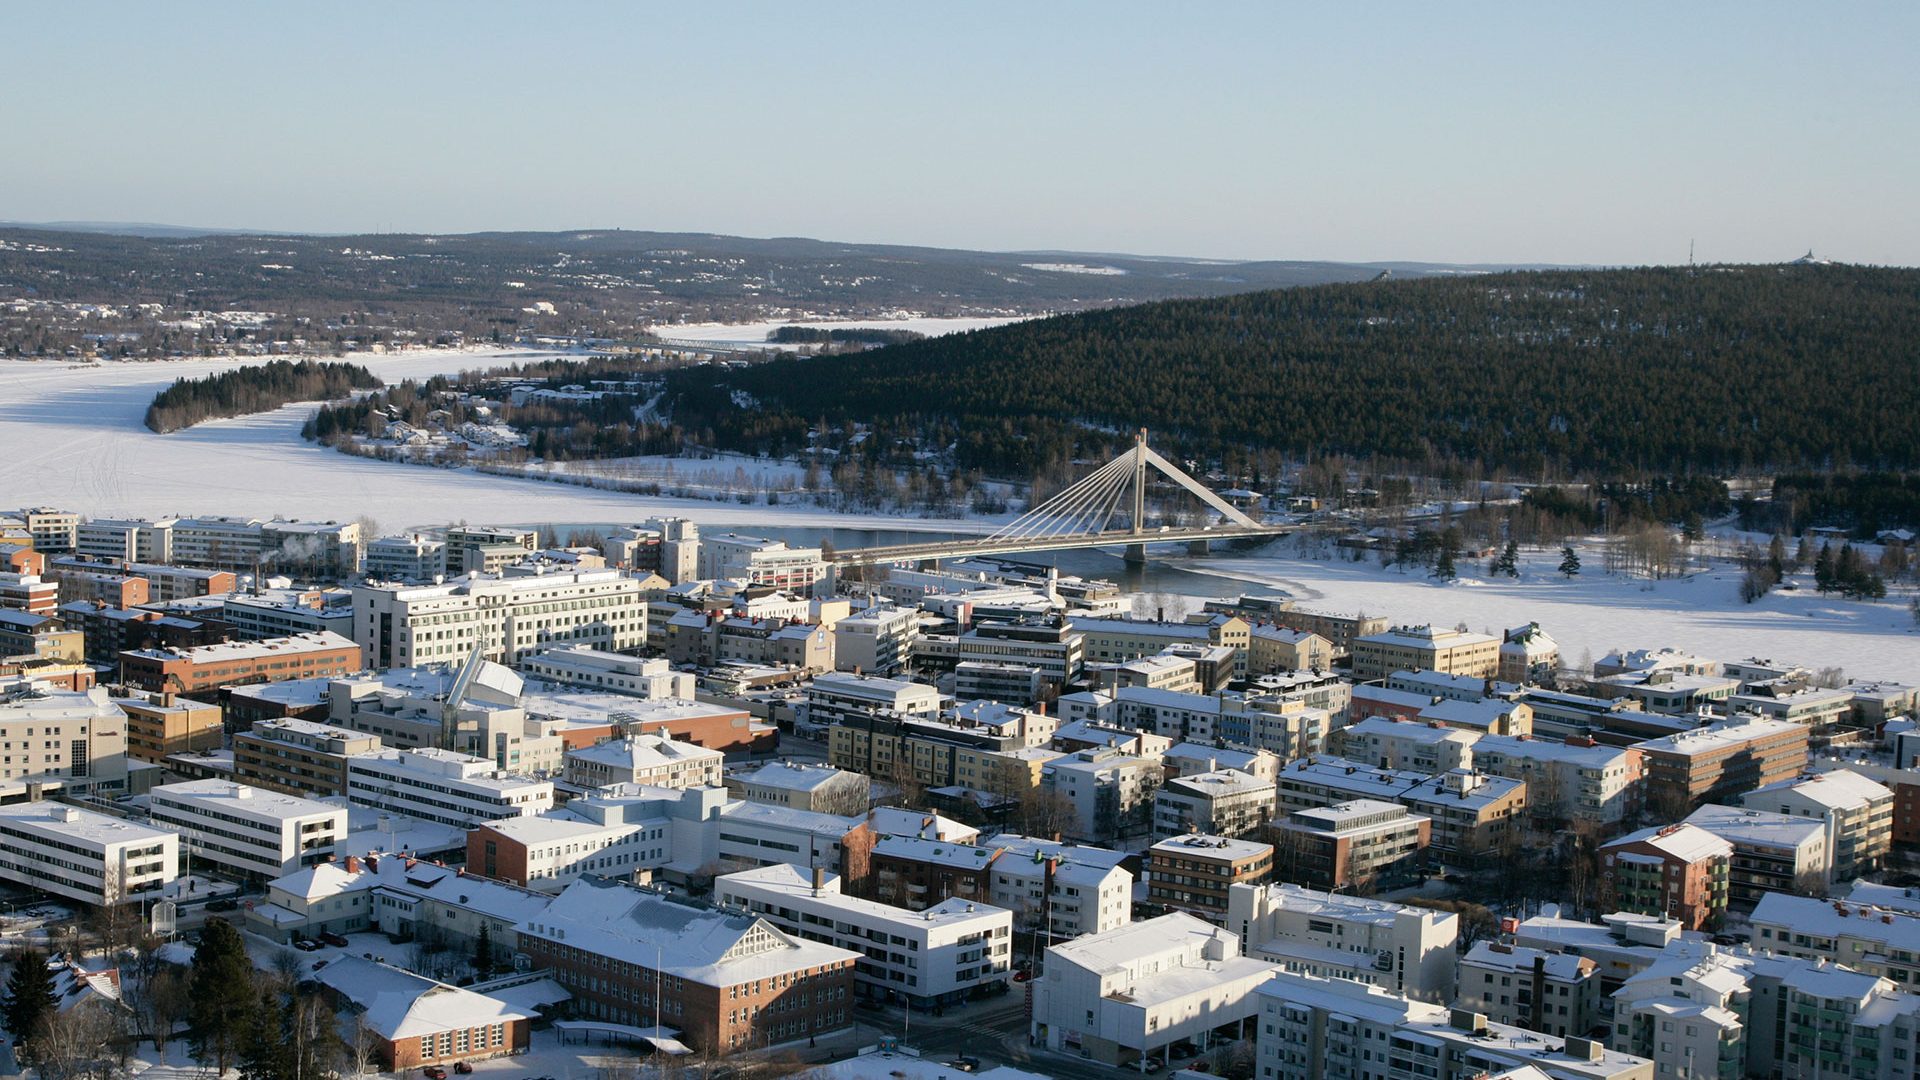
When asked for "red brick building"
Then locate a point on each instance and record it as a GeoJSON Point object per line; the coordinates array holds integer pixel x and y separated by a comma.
{"type": "Point", "coordinates": [207, 667]}
{"type": "Point", "coordinates": [416, 1021]}
{"type": "Point", "coordinates": [1675, 871]}
{"type": "Point", "coordinates": [723, 980]}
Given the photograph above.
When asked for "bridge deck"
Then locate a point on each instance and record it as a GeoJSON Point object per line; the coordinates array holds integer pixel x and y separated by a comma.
{"type": "Point", "coordinates": [955, 549]}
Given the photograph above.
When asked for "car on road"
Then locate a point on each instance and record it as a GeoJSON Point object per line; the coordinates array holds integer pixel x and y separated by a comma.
{"type": "Point", "coordinates": [964, 1063]}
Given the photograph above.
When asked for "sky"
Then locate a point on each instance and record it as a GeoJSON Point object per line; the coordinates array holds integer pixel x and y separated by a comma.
{"type": "Point", "coordinates": [1606, 133]}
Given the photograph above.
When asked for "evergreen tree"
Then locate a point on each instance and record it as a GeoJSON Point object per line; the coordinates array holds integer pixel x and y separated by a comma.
{"type": "Point", "coordinates": [1569, 561]}
{"type": "Point", "coordinates": [222, 988]}
{"type": "Point", "coordinates": [30, 998]}
{"type": "Point", "coordinates": [1803, 555]}
{"type": "Point", "coordinates": [263, 1048]}
{"type": "Point", "coordinates": [1692, 529]}
{"type": "Point", "coordinates": [1777, 556]}
{"type": "Point", "coordinates": [1823, 569]}
{"type": "Point", "coordinates": [1508, 561]}
{"type": "Point", "coordinates": [483, 953]}
{"type": "Point", "coordinates": [1443, 567]}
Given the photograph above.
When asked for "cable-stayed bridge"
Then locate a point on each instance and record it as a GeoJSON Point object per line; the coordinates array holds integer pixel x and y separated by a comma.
{"type": "Point", "coordinates": [1106, 507]}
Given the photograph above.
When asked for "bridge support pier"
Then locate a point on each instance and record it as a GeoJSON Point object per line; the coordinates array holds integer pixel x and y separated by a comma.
{"type": "Point", "coordinates": [1199, 547]}
{"type": "Point", "coordinates": [1136, 555]}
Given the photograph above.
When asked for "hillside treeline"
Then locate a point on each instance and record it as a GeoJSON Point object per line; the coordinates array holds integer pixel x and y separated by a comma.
{"type": "Point", "coordinates": [254, 388]}
{"type": "Point", "coordinates": [1548, 374]}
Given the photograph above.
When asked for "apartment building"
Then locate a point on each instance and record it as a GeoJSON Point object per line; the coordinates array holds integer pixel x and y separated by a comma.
{"type": "Point", "coordinates": [1128, 994]}
{"type": "Point", "coordinates": [467, 547]}
{"type": "Point", "coordinates": [29, 593]}
{"type": "Point", "coordinates": [209, 667]}
{"type": "Point", "coordinates": [1362, 844]}
{"type": "Point", "coordinates": [161, 725]}
{"type": "Point", "coordinates": [1111, 793]}
{"type": "Point", "coordinates": [249, 832]}
{"type": "Point", "coordinates": [1487, 716]}
{"type": "Point", "coordinates": [1670, 692]}
{"type": "Point", "coordinates": [1279, 648]}
{"type": "Point", "coordinates": [1425, 648]}
{"type": "Point", "coordinates": [1879, 941]}
{"type": "Point", "coordinates": [441, 785]}
{"type": "Point", "coordinates": [1678, 871]}
{"type": "Point", "coordinates": [876, 641]}
{"type": "Point", "coordinates": [94, 858]}
{"type": "Point", "coordinates": [1771, 852]}
{"type": "Point", "coordinates": [125, 540]}
{"type": "Point", "coordinates": [272, 613]}
{"type": "Point", "coordinates": [419, 707]}
{"type": "Point", "coordinates": [1312, 1028]}
{"type": "Point", "coordinates": [725, 981]}
{"type": "Point", "coordinates": [1060, 890]}
{"type": "Point", "coordinates": [412, 559]}
{"type": "Point", "coordinates": [1224, 802]}
{"type": "Point", "coordinates": [1408, 950]}
{"type": "Point", "coordinates": [1550, 992]}
{"type": "Point", "coordinates": [299, 757]}
{"type": "Point", "coordinates": [72, 740]}
{"type": "Point", "coordinates": [1402, 744]}
{"type": "Point", "coordinates": [656, 760]}
{"type": "Point", "coordinates": [53, 531]}
{"type": "Point", "coordinates": [943, 954]}
{"type": "Point", "coordinates": [1721, 761]}
{"type": "Point", "coordinates": [1196, 874]}
{"type": "Point", "coordinates": [1471, 813]}
{"type": "Point", "coordinates": [1856, 811]}
{"type": "Point", "coordinates": [1570, 780]}
{"type": "Point", "coordinates": [505, 618]}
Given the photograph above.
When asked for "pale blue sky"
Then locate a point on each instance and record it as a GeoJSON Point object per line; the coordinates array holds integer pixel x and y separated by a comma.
{"type": "Point", "coordinates": [1598, 132]}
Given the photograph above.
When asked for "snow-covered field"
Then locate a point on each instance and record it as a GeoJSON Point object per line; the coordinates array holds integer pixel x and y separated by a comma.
{"type": "Point", "coordinates": [1596, 613]}
{"type": "Point", "coordinates": [755, 333]}
{"type": "Point", "coordinates": [73, 438]}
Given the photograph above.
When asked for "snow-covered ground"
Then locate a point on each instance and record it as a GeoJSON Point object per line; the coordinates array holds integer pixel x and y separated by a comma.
{"type": "Point", "coordinates": [1595, 613]}
{"type": "Point", "coordinates": [73, 438]}
{"type": "Point", "coordinates": [755, 333]}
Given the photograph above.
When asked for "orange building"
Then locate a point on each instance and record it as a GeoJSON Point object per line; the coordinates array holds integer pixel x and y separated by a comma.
{"type": "Point", "coordinates": [1673, 871]}
{"type": "Point", "coordinates": [208, 667]}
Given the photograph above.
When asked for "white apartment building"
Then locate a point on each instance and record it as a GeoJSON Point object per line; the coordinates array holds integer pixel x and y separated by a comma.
{"type": "Point", "coordinates": [1225, 802]}
{"type": "Point", "coordinates": [1408, 950]}
{"type": "Point", "coordinates": [1550, 992]}
{"type": "Point", "coordinates": [505, 617]}
{"type": "Point", "coordinates": [1111, 793]}
{"type": "Point", "coordinates": [247, 831]}
{"type": "Point", "coordinates": [1771, 852]}
{"type": "Point", "coordinates": [1581, 782]}
{"type": "Point", "coordinates": [274, 613]}
{"type": "Point", "coordinates": [877, 641]}
{"type": "Point", "coordinates": [1125, 995]}
{"type": "Point", "coordinates": [411, 707]}
{"type": "Point", "coordinates": [550, 851]}
{"type": "Point", "coordinates": [1875, 940]}
{"type": "Point", "coordinates": [1312, 1028]}
{"type": "Point", "coordinates": [946, 953]}
{"type": "Point", "coordinates": [1092, 893]}
{"type": "Point", "coordinates": [81, 855]}
{"type": "Point", "coordinates": [1405, 744]}
{"type": "Point", "coordinates": [440, 785]}
{"type": "Point", "coordinates": [413, 559]}
{"type": "Point", "coordinates": [53, 530]}
{"type": "Point", "coordinates": [1857, 812]}
{"type": "Point", "coordinates": [124, 540]}
{"type": "Point", "coordinates": [758, 561]}
{"type": "Point", "coordinates": [655, 760]}
{"type": "Point", "coordinates": [578, 665]}
{"type": "Point", "coordinates": [73, 740]}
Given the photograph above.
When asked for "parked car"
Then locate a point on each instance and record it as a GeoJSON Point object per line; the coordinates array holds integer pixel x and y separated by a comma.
{"type": "Point", "coordinates": [306, 945]}
{"type": "Point", "coordinates": [333, 939]}
{"type": "Point", "coordinates": [434, 1072]}
{"type": "Point", "coordinates": [462, 1068]}
{"type": "Point", "coordinates": [224, 904]}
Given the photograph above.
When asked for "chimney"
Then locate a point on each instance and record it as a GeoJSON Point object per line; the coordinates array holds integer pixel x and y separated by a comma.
{"type": "Point", "coordinates": [353, 864]}
{"type": "Point", "coordinates": [819, 880]}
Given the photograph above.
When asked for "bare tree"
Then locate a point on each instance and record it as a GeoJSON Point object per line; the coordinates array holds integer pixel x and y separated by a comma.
{"type": "Point", "coordinates": [78, 1044]}
{"type": "Point", "coordinates": [363, 1050]}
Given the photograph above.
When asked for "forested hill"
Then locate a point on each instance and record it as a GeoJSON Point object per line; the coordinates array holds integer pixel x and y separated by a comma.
{"type": "Point", "coordinates": [1606, 372]}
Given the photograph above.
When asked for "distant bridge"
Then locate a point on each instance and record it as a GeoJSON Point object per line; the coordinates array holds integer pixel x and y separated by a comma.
{"type": "Point", "coordinates": [1105, 508]}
